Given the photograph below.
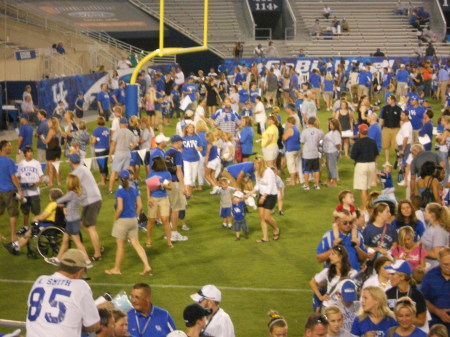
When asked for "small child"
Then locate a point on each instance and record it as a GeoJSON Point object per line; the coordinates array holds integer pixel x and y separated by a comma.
{"type": "Point", "coordinates": [227, 149]}
{"type": "Point", "coordinates": [225, 193]}
{"type": "Point", "coordinates": [59, 111]}
{"type": "Point", "coordinates": [238, 210]}
{"type": "Point", "coordinates": [247, 111]}
{"type": "Point", "coordinates": [79, 103]}
{"type": "Point", "coordinates": [72, 200]}
{"type": "Point", "coordinates": [346, 201]}
{"type": "Point", "coordinates": [82, 138]}
{"type": "Point", "coordinates": [386, 181]}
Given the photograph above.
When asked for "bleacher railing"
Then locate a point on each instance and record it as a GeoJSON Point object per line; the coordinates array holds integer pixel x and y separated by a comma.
{"type": "Point", "coordinates": [249, 19]}
{"type": "Point", "coordinates": [291, 21]}
{"type": "Point", "coordinates": [439, 25]}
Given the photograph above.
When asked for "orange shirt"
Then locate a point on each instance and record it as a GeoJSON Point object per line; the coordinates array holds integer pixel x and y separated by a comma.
{"type": "Point", "coordinates": [427, 73]}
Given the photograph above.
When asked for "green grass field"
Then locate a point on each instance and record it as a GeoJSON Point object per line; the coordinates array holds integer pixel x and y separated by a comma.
{"type": "Point", "coordinates": [253, 278]}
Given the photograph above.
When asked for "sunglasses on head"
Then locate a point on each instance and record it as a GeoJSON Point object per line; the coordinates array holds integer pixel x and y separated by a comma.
{"type": "Point", "coordinates": [322, 319]}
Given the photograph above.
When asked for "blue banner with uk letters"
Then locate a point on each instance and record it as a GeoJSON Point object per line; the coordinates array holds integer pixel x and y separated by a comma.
{"type": "Point", "coordinates": [23, 55]}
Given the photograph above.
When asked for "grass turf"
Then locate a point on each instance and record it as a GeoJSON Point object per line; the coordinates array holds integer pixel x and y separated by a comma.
{"type": "Point", "coordinates": [254, 278]}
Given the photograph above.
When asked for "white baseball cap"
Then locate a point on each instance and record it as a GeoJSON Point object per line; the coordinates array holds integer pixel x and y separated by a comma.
{"type": "Point", "coordinates": [161, 138]}
{"type": "Point", "coordinates": [208, 292]}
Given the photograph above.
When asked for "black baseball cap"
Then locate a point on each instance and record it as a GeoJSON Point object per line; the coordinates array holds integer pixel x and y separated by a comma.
{"type": "Point", "coordinates": [194, 312]}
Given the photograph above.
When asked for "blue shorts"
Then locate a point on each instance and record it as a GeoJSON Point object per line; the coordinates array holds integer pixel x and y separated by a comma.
{"type": "Point", "coordinates": [135, 159]}
{"type": "Point", "coordinates": [73, 227]}
{"type": "Point", "coordinates": [225, 212]}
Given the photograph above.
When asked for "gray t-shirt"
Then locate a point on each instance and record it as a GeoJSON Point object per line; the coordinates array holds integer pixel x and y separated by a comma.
{"type": "Point", "coordinates": [91, 192]}
{"type": "Point", "coordinates": [434, 236]}
{"type": "Point", "coordinates": [331, 140]}
{"type": "Point", "coordinates": [123, 138]}
{"type": "Point", "coordinates": [310, 138]}
{"type": "Point", "coordinates": [272, 82]}
{"type": "Point", "coordinates": [421, 159]}
{"type": "Point", "coordinates": [73, 202]}
{"type": "Point", "coordinates": [309, 109]}
{"type": "Point", "coordinates": [225, 196]}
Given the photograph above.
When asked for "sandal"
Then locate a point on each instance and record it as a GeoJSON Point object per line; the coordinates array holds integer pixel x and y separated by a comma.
{"type": "Point", "coordinates": [97, 258]}
{"type": "Point", "coordinates": [146, 272]}
{"type": "Point", "coordinates": [276, 236]}
{"type": "Point", "coordinates": [110, 272]}
{"type": "Point", "coordinates": [148, 244]}
{"type": "Point", "coordinates": [261, 241]}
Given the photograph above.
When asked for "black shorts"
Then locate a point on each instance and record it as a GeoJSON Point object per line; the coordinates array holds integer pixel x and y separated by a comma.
{"type": "Point", "coordinates": [311, 165]}
{"type": "Point", "coordinates": [269, 201]}
{"type": "Point", "coordinates": [53, 154]}
{"type": "Point", "coordinates": [33, 204]}
{"type": "Point", "coordinates": [150, 112]}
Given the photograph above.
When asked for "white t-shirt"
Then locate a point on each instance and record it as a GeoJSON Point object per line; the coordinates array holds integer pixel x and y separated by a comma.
{"type": "Point", "coordinates": [406, 130]}
{"type": "Point", "coordinates": [60, 306]}
{"type": "Point", "coordinates": [373, 281]}
{"type": "Point", "coordinates": [235, 97]}
{"type": "Point", "coordinates": [29, 172]}
{"type": "Point", "coordinates": [199, 114]}
{"type": "Point", "coordinates": [260, 117]}
{"type": "Point", "coordinates": [322, 277]}
{"type": "Point", "coordinates": [220, 325]}
{"type": "Point", "coordinates": [115, 124]}
{"type": "Point", "coordinates": [179, 79]}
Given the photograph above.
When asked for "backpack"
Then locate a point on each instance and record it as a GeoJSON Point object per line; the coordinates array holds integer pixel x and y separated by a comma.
{"type": "Point", "coordinates": [427, 195]}
{"type": "Point", "coordinates": [170, 162]}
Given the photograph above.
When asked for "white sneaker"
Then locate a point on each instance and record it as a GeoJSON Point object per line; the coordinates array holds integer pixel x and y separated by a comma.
{"type": "Point", "coordinates": [179, 237]}
{"type": "Point", "coordinates": [230, 226]}
{"type": "Point", "coordinates": [89, 264]}
{"type": "Point", "coordinates": [52, 260]}
{"type": "Point", "coordinates": [401, 183]}
{"type": "Point", "coordinates": [185, 228]}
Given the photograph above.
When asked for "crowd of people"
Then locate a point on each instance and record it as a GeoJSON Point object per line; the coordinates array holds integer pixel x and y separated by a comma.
{"type": "Point", "coordinates": [386, 264]}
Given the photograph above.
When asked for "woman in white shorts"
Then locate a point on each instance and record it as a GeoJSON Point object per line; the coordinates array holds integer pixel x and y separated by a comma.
{"type": "Point", "coordinates": [191, 157]}
{"type": "Point", "coordinates": [269, 142]}
{"type": "Point", "coordinates": [212, 162]}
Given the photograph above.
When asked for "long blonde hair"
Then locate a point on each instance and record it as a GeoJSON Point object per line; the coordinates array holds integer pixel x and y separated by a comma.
{"type": "Point", "coordinates": [441, 213]}
{"type": "Point", "coordinates": [262, 166]}
{"type": "Point", "coordinates": [54, 125]}
{"type": "Point", "coordinates": [73, 184]}
{"type": "Point", "coordinates": [201, 126]}
{"type": "Point", "coordinates": [382, 310]}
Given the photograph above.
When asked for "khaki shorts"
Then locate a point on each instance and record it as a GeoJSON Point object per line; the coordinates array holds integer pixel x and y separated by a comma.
{"type": "Point", "coordinates": [388, 138]}
{"type": "Point", "coordinates": [292, 160]}
{"type": "Point", "coordinates": [363, 176]}
{"type": "Point", "coordinates": [327, 95]}
{"type": "Point", "coordinates": [158, 117]}
{"type": "Point", "coordinates": [161, 204]}
{"type": "Point", "coordinates": [270, 153]}
{"type": "Point", "coordinates": [271, 95]}
{"type": "Point", "coordinates": [9, 202]}
{"type": "Point", "coordinates": [176, 197]}
{"type": "Point", "coordinates": [362, 90]}
{"type": "Point", "coordinates": [125, 228]}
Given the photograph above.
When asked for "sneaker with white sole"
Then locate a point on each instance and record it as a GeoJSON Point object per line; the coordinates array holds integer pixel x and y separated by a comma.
{"type": "Point", "coordinates": [176, 236]}
{"type": "Point", "coordinates": [316, 187]}
{"type": "Point", "coordinates": [89, 264]}
{"type": "Point", "coordinates": [230, 226]}
{"type": "Point", "coordinates": [52, 260]}
{"type": "Point", "coordinates": [185, 227]}
{"type": "Point", "coordinates": [306, 187]}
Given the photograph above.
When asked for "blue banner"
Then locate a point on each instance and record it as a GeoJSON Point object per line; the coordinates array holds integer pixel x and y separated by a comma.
{"type": "Point", "coordinates": [64, 89]}
{"type": "Point", "coordinates": [23, 55]}
{"type": "Point", "coordinates": [306, 64]}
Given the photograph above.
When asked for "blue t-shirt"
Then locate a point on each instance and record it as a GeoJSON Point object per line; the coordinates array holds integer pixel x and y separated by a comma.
{"type": "Point", "coordinates": [7, 169]}
{"type": "Point", "coordinates": [175, 95]}
{"type": "Point", "coordinates": [375, 133]}
{"type": "Point", "coordinates": [26, 132]}
{"type": "Point", "coordinates": [373, 235]}
{"type": "Point", "coordinates": [402, 76]}
{"type": "Point", "coordinates": [386, 179]}
{"type": "Point", "coordinates": [419, 228]}
{"type": "Point", "coordinates": [365, 78]}
{"type": "Point", "coordinates": [188, 87]}
{"type": "Point", "coordinates": [42, 130]}
{"type": "Point", "coordinates": [158, 323]}
{"type": "Point", "coordinates": [156, 152]}
{"type": "Point", "coordinates": [246, 140]}
{"type": "Point", "coordinates": [102, 133]}
{"type": "Point", "coordinates": [328, 85]}
{"type": "Point", "coordinates": [238, 78]}
{"type": "Point", "coordinates": [79, 102]}
{"type": "Point", "coordinates": [103, 98]}
{"type": "Point", "coordinates": [158, 102]}
{"type": "Point", "coordinates": [293, 81]}
{"type": "Point", "coordinates": [416, 333]}
{"type": "Point", "coordinates": [247, 112]}
{"type": "Point", "coordinates": [162, 175]}
{"type": "Point", "coordinates": [386, 79]}
{"type": "Point", "coordinates": [129, 201]}
{"type": "Point", "coordinates": [315, 80]}
{"type": "Point", "coordinates": [253, 94]}
{"type": "Point", "coordinates": [190, 144]}
{"type": "Point", "coordinates": [238, 210]}
{"type": "Point", "coordinates": [243, 96]}
{"type": "Point", "coordinates": [120, 95]}
{"type": "Point", "coordinates": [416, 116]}
{"type": "Point", "coordinates": [177, 159]}
{"type": "Point", "coordinates": [327, 243]}
{"type": "Point", "coordinates": [359, 328]}
{"type": "Point", "coordinates": [434, 286]}
{"type": "Point", "coordinates": [298, 104]}
{"type": "Point", "coordinates": [247, 167]}
{"type": "Point", "coordinates": [160, 85]}
{"type": "Point", "coordinates": [427, 129]}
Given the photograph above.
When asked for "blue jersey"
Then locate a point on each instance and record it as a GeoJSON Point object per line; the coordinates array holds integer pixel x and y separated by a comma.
{"type": "Point", "coordinates": [359, 328]}
{"type": "Point", "coordinates": [386, 179]}
{"type": "Point", "coordinates": [416, 116]}
{"type": "Point", "coordinates": [315, 80]}
{"type": "Point", "coordinates": [102, 134]}
{"type": "Point", "coordinates": [103, 98]}
{"type": "Point", "coordinates": [253, 94]}
{"type": "Point", "coordinates": [26, 132]}
{"type": "Point", "coordinates": [243, 96]}
{"type": "Point", "coordinates": [192, 89]}
{"type": "Point", "coordinates": [120, 95]}
{"type": "Point", "coordinates": [247, 112]}
{"type": "Point", "coordinates": [190, 144]}
{"type": "Point", "coordinates": [328, 85]}
{"type": "Point", "coordinates": [162, 176]}
{"type": "Point", "coordinates": [238, 210]}
{"type": "Point", "coordinates": [386, 79]}
{"type": "Point", "coordinates": [129, 201]}
{"type": "Point", "coordinates": [7, 169]}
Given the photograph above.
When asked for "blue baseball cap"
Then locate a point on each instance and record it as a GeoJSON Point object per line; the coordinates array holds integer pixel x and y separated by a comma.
{"type": "Point", "coordinates": [348, 291]}
{"type": "Point", "coordinates": [176, 138]}
{"type": "Point", "coordinates": [399, 266]}
{"type": "Point", "coordinates": [124, 174]}
{"type": "Point", "coordinates": [75, 158]}
{"type": "Point", "coordinates": [123, 120]}
{"type": "Point", "coordinates": [290, 106]}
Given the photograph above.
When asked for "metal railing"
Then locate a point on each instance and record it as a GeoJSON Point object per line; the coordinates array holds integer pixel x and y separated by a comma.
{"type": "Point", "coordinates": [12, 324]}
{"type": "Point", "coordinates": [250, 20]}
{"type": "Point", "coordinates": [262, 36]}
{"type": "Point", "coordinates": [439, 24]}
{"type": "Point", "coordinates": [289, 33]}
{"type": "Point", "coordinates": [292, 20]}
{"type": "Point", "coordinates": [155, 13]}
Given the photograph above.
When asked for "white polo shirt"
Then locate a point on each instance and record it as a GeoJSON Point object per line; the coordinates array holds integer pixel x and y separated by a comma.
{"type": "Point", "coordinates": [219, 325]}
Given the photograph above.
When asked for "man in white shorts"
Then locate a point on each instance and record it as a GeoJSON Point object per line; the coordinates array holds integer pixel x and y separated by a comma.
{"type": "Point", "coordinates": [62, 304]}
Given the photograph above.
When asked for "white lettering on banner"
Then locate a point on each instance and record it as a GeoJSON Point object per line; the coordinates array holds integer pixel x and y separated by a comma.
{"type": "Point", "coordinates": [25, 54]}
{"type": "Point", "coordinates": [303, 66]}
{"type": "Point", "coordinates": [59, 94]}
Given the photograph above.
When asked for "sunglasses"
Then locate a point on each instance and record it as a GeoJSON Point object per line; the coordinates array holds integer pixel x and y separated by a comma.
{"type": "Point", "coordinates": [347, 222]}
{"type": "Point", "coordinates": [322, 319]}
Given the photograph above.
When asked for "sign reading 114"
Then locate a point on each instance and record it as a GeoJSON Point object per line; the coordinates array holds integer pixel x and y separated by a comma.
{"type": "Point", "coordinates": [266, 5]}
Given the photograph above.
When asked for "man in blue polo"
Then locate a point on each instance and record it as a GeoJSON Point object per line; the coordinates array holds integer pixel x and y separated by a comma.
{"type": "Point", "coordinates": [364, 82]}
{"type": "Point", "coordinates": [402, 81]}
{"type": "Point", "coordinates": [190, 89]}
{"type": "Point", "coordinates": [119, 95]}
{"type": "Point", "coordinates": [416, 113]}
{"type": "Point", "coordinates": [42, 130]}
{"type": "Point", "coordinates": [25, 134]}
{"type": "Point", "coordinates": [104, 104]}
{"type": "Point", "coordinates": [146, 319]}
{"type": "Point", "coordinates": [355, 249]}
{"type": "Point", "coordinates": [436, 289]}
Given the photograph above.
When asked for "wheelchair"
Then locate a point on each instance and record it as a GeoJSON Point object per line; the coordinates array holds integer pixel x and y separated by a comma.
{"type": "Point", "coordinates": [48, 238]}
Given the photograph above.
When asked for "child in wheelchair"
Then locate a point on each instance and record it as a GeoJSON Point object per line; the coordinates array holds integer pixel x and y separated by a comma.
{"type": "Point", "coordinates": [51, 216]}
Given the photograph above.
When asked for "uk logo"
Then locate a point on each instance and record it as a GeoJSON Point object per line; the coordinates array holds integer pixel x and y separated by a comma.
{"type": "Point", "coordinates": [59, 94]}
